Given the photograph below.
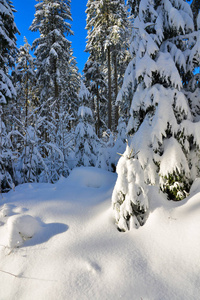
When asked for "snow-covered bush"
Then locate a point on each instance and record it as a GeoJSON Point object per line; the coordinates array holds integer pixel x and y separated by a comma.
{"type": "Point", "coordinates": [104, 160]}
{"type": "Point", "coordinates": [31, 163]}
{"type": "Point", "coordinates": [111, 145]}
{"type": "Point", "coordinates": [129, 198]}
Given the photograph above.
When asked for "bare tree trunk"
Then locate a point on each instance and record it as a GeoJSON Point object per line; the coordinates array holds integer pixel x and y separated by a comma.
{"type": "Point", "coordinates": [116, 90]}
{"type": "Point", "coordinates": [109, 90]}
{"type": "Point", "coordinates": [98, 113]}
{"type": "Point", "coordinates": [26, 121]}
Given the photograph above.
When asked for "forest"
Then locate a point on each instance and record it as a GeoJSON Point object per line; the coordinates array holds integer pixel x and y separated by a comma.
{"type": "Point", "coordinates": [135, 110]}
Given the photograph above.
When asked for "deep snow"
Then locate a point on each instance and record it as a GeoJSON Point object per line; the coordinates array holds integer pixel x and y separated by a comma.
{"type": "Point", "coordinates": [71, 249]}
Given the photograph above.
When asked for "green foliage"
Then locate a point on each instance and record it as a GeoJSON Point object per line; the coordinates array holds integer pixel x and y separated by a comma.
{"type": "Point", "coordinates": [176, 186]}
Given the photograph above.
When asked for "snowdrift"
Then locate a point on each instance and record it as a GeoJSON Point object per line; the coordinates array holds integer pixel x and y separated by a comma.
{"type": "Point", "coordinates": [69, 247]}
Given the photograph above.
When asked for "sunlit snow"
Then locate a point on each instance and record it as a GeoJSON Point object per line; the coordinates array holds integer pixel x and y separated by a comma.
{"type": "Point", "coordinates": [76, 251]}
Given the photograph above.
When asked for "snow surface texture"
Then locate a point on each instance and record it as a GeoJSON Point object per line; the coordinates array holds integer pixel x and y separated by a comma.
{"type": "Point", "coordinates": [78, 253]}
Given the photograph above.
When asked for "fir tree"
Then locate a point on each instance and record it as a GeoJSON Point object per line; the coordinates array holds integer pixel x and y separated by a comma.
{"type": "Point", "coordinates": [52, 49]}
{"type": "Point", "coordinates": [94, 80]}
{"type": "Point", "coordinates": [8, 52]}
{"type": "Point", "coordinates": [6, 158]}
{"type": "Point", "coordinates": [129, 198]}
{"type": "Point", "coordinates": [55, 70]}
{"type": "Point", "coordinates": [24, 80]}
{"type": "Point", "coordinates": [86, 141]}
{"type": "Point", "coordinates": [107, 25]}
{"type": "Point", "coordinates": [159, 107]}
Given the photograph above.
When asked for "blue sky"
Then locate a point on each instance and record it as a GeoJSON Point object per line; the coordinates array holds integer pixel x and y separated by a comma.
{"type": "Point", "coordinates": [25, 15]}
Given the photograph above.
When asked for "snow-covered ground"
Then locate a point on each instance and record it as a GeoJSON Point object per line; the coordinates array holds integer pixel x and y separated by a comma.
{"type": "Point", "coordinates": [60, 242]}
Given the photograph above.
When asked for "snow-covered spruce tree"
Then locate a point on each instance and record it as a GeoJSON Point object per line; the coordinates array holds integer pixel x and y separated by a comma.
{"type": "Point", "coordinates": [54, 66]}
{"type": "Point", "coordinates": [192, 91]}
{"type": "Point", "coordinates": [52, 50]}
{"type": "Point", "coordinates": [195, 6]}
{"type": "Point", "coordinates": [129, 198]}
{"type": "Point", "coordinates": [112, 144]}
{"type": "Point", "coordinates": [31, 166]}
{"type": "Point", "coordinates": [8, 52]}
{"type": "Point", "coordinates": [107, 25]}
{"type": "Point", "coordinates": [70, 101]}
{"type": "Point", "coordinates": [94, 80]}
{"type": "Point", "coordinates": [24, 78]}
{"type": "Point", "coordinates": [159, 105]}
{"type": "Point", "coordinates": [86, 141]}
{"type": "Point", "coordinates": [6, 159]}
{"type": "Point", "coordinates": [106, 158]}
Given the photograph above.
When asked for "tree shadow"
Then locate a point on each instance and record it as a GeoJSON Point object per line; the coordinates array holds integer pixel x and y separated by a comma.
{"type": "Point", "coordinates": [46, 232]}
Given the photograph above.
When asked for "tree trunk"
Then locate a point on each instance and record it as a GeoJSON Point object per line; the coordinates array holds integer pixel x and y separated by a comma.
{"type": "Point", "coordinates": [98, 114]}
{"type": "Point", "coordinates": [116, 90]}
{"type": "Point", "coordinates": [109, 91]}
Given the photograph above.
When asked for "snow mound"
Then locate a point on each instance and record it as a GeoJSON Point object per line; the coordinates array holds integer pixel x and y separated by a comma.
{"type": "Point", "coordinates": [195, 186]}
{"type": "Point", "coordinates": [21, 228]}
{"type": "Point", "coordinates": [91, 177]}
{"type": "Point", "coordinates": [6, 210]}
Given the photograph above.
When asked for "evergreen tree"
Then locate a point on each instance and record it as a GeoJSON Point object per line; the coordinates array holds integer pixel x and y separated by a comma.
{"type": "Point", "coordinates": [71, 89]}
{"type": "Point", "coordinates": [94, 79]}
{"type": "Point", "coordinates": [55, 70]}
{"type": "Point", "coordinates": [31, 166]}
{"type": "Point", "coordinates": [107, 26]}
{"type": "Point", "coordinates": [129, 198]}
{"type": "Point", "coordinates": [6, 158]}
{"type": "Point", "coordinates": [24, 79]}
{"type": "Point", "coordinates": [86, 141]}
{"type": "Point", "coordinates": [192, 92]}
{"type": "Point", "coordinates": [8, 52]}
{"type": "Point", "coordinates": [195, 6]}
{"type": "Point", "coordinates": [52, 49]}
{"type": "Point", "coordinates": [159, 107]}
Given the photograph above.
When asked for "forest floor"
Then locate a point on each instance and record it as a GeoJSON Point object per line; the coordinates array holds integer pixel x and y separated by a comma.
{"type": "Point", "coordinates": [60, 242]}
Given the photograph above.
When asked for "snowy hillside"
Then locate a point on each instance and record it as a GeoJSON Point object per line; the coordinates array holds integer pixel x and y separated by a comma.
{"type": "Point", "coordinates": [76, 252]}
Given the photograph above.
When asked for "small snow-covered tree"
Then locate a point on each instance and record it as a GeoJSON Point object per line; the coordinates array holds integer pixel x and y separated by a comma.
{"type": "Point", "coordinates": [31, 166]}
{"type": "Point", "coordinates": [86, 141]}
{"type": "Point", "coordinates": [111, 146]}
{"type": "Point", "coordinates": [129, 198]}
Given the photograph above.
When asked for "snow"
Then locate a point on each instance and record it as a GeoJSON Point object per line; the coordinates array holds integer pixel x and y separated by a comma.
{"type": "Point", "coordinates": [84, 111]}
{"type": "Point", "coordinates": [21, 228]}
{"type": "Point", "coordinates": [76, 251]}
{"type": "Point", "coordinates": [173, 158]}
